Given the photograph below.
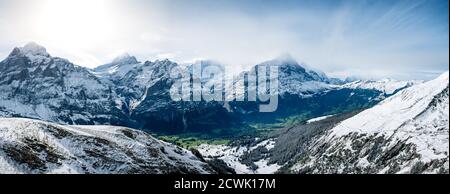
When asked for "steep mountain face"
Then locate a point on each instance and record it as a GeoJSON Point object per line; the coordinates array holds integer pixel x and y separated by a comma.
{"type": "Point", "coordinates": [145, 89]}
{"type": "Point", "coordinates": [120, 66]}
{"type": "Point", "coordinates": [36, 85]}
{"type": "Point", "coordinates": [293, 77]}
{"type": "Point", "coordinates": [125, 92]}
{"type": "Point", "coordinates": [406, 133]}
{"type": "Point", "coordinates": [313, 93]}
{"type": "Point", "coordinates": [37, 147]}
{"type": "Point", "coordinates": [132, 79]}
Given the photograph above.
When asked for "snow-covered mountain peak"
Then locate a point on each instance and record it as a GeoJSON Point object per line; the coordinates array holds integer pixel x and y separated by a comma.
{"type": "Point", "coordinates": [285, 58]}
{"type": "Point", "coordinates": [289, 64]}
{"type": "Point", "coordinates": [282, 60]}
{"type": "Point", "coordinates": [387, 86]}
{"type": "Point", "coordinates": [120, 66]}
{"type": "Point", "coordinates": [35, 53]}
{"type": "Point", "coordinates": [34, 84]}
{"type": "Point", "coordinates": [34, 49]}
{"type": "Point", "coordinates": [294, 78]}
{"type": "Point", "coordinates": [125, 58]}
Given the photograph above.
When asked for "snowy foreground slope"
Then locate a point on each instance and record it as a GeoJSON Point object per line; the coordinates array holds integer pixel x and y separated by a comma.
{"type": "Point", "coordinates": [406, 133]}
{"type": "Point", "coordinates": [31, 146]}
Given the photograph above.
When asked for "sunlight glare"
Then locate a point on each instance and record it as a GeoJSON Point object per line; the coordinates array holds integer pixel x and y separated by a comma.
{"type": "Point", "coordinates": [75, 23]}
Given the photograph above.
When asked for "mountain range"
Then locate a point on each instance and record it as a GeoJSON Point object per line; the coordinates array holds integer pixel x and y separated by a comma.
{"type": "Point", "coordinates": [63, 116]}
{"type": "Point", "coordinates": [130, 93]}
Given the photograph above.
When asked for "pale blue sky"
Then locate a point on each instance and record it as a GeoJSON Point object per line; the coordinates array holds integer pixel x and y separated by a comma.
{"type": "Point", "coordinates": [371, 39]}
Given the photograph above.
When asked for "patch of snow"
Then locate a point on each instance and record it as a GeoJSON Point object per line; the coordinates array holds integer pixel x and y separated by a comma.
{"type": "Point", "coordinates": [387, 86]}
{"type": "Point", "coordinates": [264, 168]}
{"type": "Point", "coordinates": [231, 155]}
{"type": "Point", "coordinates": [318, 119]}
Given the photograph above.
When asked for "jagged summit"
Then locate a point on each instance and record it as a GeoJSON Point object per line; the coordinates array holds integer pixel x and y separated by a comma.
{"type": "Point", "coordinates": [287, 61]}
{"type": "Point", "coordinates": [388, 86]}
{"type": "Point", "coordinates": [33, 49]}
{"type": "Point", "coordinates": [125, 58]}
{"type": "Point", "coordinates": [286, 58]}
{"type": "Point", "coordinates": [119, 65]}
{"type": "Point", "coordinates": [36, 54]}
{"type": "Point", "coordinates": [282, 60]}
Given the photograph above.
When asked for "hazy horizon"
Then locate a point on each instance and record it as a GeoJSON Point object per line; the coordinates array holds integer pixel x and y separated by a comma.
{"type": "Point", "coordinates": [367, 39]}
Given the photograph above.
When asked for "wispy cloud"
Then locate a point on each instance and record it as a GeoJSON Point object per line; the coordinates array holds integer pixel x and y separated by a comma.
{"type": "Point", "coordinates": [368, 38]}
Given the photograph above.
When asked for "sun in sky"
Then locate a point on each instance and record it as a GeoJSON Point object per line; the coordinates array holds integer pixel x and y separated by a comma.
{"type": "Point", "coordinates": [76, 23]}
{"type": "Point", "coordinates": [373, 39]}
{"type": "Point", "coordinates": [80, 27]}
